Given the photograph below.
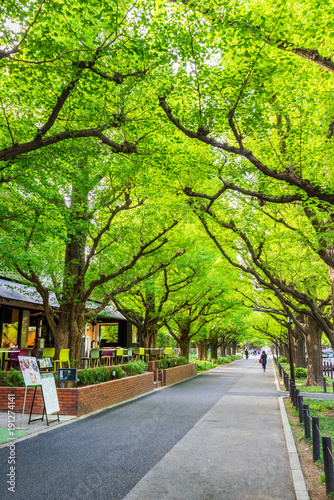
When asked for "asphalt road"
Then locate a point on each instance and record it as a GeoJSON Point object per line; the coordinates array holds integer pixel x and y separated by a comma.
{"type": "Point", "coordinates": [104, 456]}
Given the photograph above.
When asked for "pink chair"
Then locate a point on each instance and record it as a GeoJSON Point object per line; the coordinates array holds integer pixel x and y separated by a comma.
{"type": "Point", "coordinates": [14, 357]}
{"type": "Point", "coordinates": [107, 357]}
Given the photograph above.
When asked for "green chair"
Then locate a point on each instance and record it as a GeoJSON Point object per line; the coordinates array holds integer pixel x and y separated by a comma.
{"type": "Point", "coordinates": [168, 352]}
{"type": "Point", "coordinates": [64, 357]}
{"type": "Point", "coordinates": [95, 359]}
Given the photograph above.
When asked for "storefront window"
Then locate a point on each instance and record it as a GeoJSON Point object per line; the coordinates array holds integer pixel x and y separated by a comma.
{"type": "Point", "coordinates": [109, 332]}
{"type": "Point", "coordinates": [10, 328]}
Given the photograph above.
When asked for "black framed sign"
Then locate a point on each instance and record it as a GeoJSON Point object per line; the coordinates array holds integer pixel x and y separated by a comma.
{"type": "Point", "coordinates": [67, 374]}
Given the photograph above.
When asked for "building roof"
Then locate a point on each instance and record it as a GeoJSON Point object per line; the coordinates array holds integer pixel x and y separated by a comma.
{"type": "Point", "coordinates": [25, 294]}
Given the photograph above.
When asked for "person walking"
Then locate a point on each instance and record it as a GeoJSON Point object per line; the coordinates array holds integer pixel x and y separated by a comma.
{"type": "Point", "coordinates": [246, 353]}
{"type": "Point", "coordinates": [264, 360]}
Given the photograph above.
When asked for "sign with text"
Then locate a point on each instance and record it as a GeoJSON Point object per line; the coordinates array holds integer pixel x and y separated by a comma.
{"type": "Point", "coordinates": [67, 374]}
{"type": "Point", "coordinates": [30, 370]}
{"type": "Point", "coordinates": [44, 363]}
{"type": "Point", "coordinates": [49, 391]}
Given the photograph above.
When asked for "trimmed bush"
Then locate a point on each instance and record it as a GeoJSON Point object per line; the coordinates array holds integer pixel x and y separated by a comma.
{"type": "Point", "coordinates": [281, 359]}
{"type": "Point", "coordinates": [14, 378]}
{"type": "Point", "coordinates": [135, 368]}
{"type": "Point", "coordinates": [164, 363]}
{"type": "Point", "coordinates": [300, 372]}
{"type": "Point", "coordinates": [90, 376]}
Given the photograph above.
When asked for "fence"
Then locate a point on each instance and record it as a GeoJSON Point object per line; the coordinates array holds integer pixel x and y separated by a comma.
{"type": "Point", "coordinates": [311, 422]}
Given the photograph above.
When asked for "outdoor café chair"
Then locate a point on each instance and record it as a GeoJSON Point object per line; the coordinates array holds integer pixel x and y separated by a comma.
{"type": "Point", "coordinates": [168, 352]}
{"type": "Point", "coordinates": [48, 352]}
{"type": "Point", "coordinates": [64, 357]}
{"type": "Point", "coordinates": [142, 354]}
{"type": "Point", "coordinates": [95, 357]}
{"type": "Point", "coordinates": [107, 357]}
{"type": "Point", "coordinates": [120, 354]}
{"type": "Point", "coordinates": [14, 357]}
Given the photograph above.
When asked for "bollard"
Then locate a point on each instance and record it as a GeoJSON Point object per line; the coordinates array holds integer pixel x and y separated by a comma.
{"type": "Point", "coordinates": [328, 464]}
{"type": "Point", "coordinates": [315, 439]}
{"type": "Point", "coordinates": [291, 390]}
{"type": "Point", "coordinates": [295, 398]}
{"type": "Point", "coordinates": [300, 408]}
{"type": "Point", "coordinates": [307, 421]}
{"type": "Point", "coordinates": [324, 384]}
{"type": "Point", "coordinates": [291, 387]}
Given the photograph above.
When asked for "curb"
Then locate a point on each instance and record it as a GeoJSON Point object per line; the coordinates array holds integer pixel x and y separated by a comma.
{"type": "Point", "coordinates": [298, 479]}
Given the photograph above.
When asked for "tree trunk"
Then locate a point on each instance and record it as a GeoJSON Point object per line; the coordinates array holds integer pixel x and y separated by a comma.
{"type": "Point", "coordinates": [314, 353]}
{"type": "Point", "coordinates": [299, 349]}
{"type": "Point", "coordinates": [184, 343]}
{"type": "Point", "coordinates": [214, 348]}
{"type": "Point", "coordinates": [223, 349]}
{"type": "Point", "coordinates": [70, 330]}
{"type": "Point", "coordinates": [149, 337]}
{"type": "Point", "coordinates": [202, 350]}
{"type": "Point", "coordinates": [228, 349]}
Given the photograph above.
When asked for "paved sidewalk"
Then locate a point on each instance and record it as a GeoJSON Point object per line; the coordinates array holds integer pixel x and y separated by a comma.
{"type": "Point", "coordinates": [32, 429]}
{"type": "Point", "coordinates": [218, 436]}
{"type": "Point", "coordinates": [237, 450]}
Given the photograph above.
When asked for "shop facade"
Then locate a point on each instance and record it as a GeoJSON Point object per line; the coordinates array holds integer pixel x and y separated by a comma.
{"type": "Point", "coordinates": [23, 323]}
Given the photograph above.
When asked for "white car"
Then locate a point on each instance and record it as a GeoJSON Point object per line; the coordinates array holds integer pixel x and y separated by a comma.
{"type": "Point", "coordinates": [327, 353]}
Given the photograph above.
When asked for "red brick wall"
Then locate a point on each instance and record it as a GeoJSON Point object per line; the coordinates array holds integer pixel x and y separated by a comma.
{"type": "Point", "coordinates": [94, 397]}
{"type": "Point", "coordinates": [178, 373]}
{"type": "Point", "coordinates": [78, 401]}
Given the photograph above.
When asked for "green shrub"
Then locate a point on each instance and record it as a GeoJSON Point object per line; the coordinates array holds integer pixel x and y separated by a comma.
{"type": "Point", "coordinates": [90, 376]}
{"type": "Point", "coordinates": [162, 364]}
{"type": "Point", "coordinates": [119, 372]}
{"type": "Point", "coordinates": [101, 375]}
{"type": "Point", "coordinates": [135, 368]}
{"type": "Point", "coordinates": [181, 360]}
{"type": "Point", "coordinates": [300, 372]}
{"type": "Point", "coordinates": [85, 377]}
{"type": "Point", "coordinates": [14, 378]}
{"type": "Point", "coordinates": [281, 359]}
{"type": "Point", "coordinates": [2, 374]}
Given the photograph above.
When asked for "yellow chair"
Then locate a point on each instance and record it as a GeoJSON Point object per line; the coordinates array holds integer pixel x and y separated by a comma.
{"type": "Point", "coordinates": [142, 355]}
{"type": "Point", "coordinates": [168, 352]}
{"type": "Point", "coordinates": [120, 354]}
{"type": "Point", "coordinates": [64, 357]}
{"type": "Point", "coordinates": [5, 357]}
{"type": "Point", "coordinates": [48, 352]}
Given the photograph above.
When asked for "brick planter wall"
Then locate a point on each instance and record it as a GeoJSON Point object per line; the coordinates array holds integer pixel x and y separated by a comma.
{"type": "Point", "coordinates": [81, 400]}
{"type": "Point", "coordinates": [176, 374]}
